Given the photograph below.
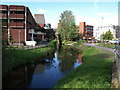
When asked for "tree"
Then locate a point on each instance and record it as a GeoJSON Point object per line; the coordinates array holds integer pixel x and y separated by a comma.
{"type": "Point", "coordinates": [67, 27]}
{"type": "Point", "coordinates": [108, 35]}
{"type": "Point", "coordinates": [50, 34]}
{"type": "Point", "coordinates": [48, 26]}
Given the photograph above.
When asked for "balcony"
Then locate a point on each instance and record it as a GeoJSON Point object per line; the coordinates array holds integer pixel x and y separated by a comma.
{"type": "Point", "coordinates": [20, 16]}
{"type": "Point", "coordinates": [20, 24]}
{"type": "Point", "coordinates": [4, 24]}
{"type": "Point", "coordinates": [3, 7]}
{"type": "Point", "coordinates": [17, 24]}
{"type": "Point", "coordinates": [16, 16]}
{"type": "Point", "coordinates": [20, 8]}
{"type": "Point", "coordinates": [17, 8]}
{"type": "Point", "coordinates": [12, 16]}
{"type": "Point", "coordinates": [12, 8]}
{"type": "Point", "coordinates": [3, 16]}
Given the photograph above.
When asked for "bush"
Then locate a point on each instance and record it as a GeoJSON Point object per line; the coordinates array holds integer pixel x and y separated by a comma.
{"type": "Point", "coordinates": [52, 43]}
{"type": "Point", "coordinates": [65, 42]}
{"type": "Point", "coordinates": [81, 41]}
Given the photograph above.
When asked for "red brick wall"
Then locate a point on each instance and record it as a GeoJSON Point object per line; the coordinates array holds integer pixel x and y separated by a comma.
{"type": "Point", "coordinates": [15, 34]}
{"type": "Point", "coordinates": [82, 28]}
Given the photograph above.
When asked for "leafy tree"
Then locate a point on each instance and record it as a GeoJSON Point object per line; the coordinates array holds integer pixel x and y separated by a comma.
{"type": "Point", "coordinates": [67, 27]}
{"type": "Point", "coordinates": [50, 34]}
{"type": "Point", "coordinates": [48, 26]}
{"type": "Point", "coordinates": [107, 36]}
{"type": "Point", "coordinates": [102, 37]}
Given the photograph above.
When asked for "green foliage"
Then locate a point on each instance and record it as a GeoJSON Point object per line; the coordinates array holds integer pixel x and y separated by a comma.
{"type": "Point", "coordinates": [50, 34]}
{"type": "Point", "coordinates": [65, 42]}
{"type": "Point", "coordinates": [82, 41]}
{"type": "Point", "coordinates": [95, 72]}
{"type": "Point", "coordinates": [107, 36]}
{"type": "Point", "coordinates": [13, 58]}
{"type": "Point", "coordinates": [67, 28]}
{"type": "Point", "coordinates": [3, 37]}
{"type": "Point", "coordinates": [52, 43]}
{"type": "Point", "coordinates": [107, 45]}
{"type": "Point", "coordinates": [48, 26]}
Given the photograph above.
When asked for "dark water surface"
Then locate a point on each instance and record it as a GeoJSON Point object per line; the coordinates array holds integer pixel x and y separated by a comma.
{"type": "Point", "coordinates": [45, 73]}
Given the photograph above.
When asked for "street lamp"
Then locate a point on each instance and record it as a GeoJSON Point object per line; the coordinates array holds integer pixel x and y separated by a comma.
{"type": "Point", "coordinates": [19, 37]}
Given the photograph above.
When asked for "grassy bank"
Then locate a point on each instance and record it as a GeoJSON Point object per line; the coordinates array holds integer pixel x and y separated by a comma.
{"type": "Point", "coordinates": [107, 45]}
{"type": "Point", "coordinates": [13, 58]}
{"type": "Point", "coordinates": [95, 72]}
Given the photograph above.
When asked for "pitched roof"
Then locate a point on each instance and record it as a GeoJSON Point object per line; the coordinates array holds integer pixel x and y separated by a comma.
{"type": "Point", "coordinates": [39, 18]}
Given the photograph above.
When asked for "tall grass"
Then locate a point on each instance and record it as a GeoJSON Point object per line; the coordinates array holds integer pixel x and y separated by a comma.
{"type": "Point", "coordinates": [13, 58]}
{"type": "Point", "coordinates": [95, 72]}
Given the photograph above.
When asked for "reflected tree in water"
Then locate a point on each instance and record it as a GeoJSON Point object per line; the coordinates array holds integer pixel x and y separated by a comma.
{"type": "Point", "coordinates": [68, 57]}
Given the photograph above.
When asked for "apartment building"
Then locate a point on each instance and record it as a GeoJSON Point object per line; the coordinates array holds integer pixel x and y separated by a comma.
{"type": "Point", "coordinates": [86, 31]}
{"type": "Point", "coordinates": [18, 22]}
{"type": "Point", "coordinates": [103, 29]}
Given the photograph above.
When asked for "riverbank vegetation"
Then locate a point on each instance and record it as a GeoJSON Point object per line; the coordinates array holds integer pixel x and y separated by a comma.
{"type": "Point", "coordinates": [107, 45]}
{"type": "Point", "coordinates": [13, 58]}
{"type": "Point", "coordinates": [95, 72]}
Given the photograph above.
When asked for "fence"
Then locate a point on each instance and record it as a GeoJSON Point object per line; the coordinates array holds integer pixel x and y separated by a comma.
{"type": "Point", "coordinates": [117, 56]}
{"type": "Point", "coordinates": [31, 47]}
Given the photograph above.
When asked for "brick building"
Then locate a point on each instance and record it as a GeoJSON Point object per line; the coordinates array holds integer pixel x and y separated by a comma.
{"type": "Point", "coordinates": [86, 31]}
{"type": "Point", "coordinates": [17, 21]}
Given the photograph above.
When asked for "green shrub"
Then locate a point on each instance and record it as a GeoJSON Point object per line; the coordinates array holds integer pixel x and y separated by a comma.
{"type": "Point", "coordinates": [52, 43]}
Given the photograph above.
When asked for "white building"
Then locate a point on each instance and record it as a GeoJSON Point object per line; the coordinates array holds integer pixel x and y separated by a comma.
{"type": "Point", "coordinates": [103, 29]}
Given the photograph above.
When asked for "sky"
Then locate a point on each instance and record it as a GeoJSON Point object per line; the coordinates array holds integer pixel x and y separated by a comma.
{"type": "Point", "coordinates": [93, 13]}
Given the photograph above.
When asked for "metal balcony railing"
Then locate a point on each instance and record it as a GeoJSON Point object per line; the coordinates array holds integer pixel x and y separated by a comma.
{"type": "Point", "coordinates": [3, 16]}
{"type": "Point", "coordinates": [17, 16]}
{"type": "Point", "coordinates": [2, 7]}
{"type": "Point", "coordinates": [17, 24]}
{"type": "Point", "coordinates": [17, 8]}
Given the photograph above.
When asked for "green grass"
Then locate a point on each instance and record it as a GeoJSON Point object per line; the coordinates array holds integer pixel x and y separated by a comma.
{"type": "Point", "coordinates": [95, 72]}
{"type": "Point", "coordinates": [13, 58]}
{"type": "Point", "coordinates": [107, 45]}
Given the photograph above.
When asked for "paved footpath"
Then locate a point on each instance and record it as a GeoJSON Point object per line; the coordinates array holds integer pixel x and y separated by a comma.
{"type": "Point", "coordinates": [93, 45]}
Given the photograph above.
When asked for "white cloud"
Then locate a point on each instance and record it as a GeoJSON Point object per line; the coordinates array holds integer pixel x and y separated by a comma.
{"type": "Point", "coordinates": [42, 11]}
{"type": "Point", "coordinates": [104, 14]}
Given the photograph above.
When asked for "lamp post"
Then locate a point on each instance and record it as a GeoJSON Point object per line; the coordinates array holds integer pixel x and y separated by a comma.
{"type": "Point", "coordinates": [19, 38]}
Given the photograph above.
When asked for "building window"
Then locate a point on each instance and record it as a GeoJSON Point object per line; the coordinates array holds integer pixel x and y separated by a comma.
{"type": "Point", "coordinates": [89, 27]}
{"type": "Point", "coordinates": [89, 30]}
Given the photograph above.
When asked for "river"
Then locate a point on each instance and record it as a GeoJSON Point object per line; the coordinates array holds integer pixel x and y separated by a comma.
{"type": "Point", "coordinates": [45, 73]}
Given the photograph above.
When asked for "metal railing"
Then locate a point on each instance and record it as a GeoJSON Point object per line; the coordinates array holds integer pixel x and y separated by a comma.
{"type": "Point", "coordinates": [31, 47]}
{"type": "Point", "coordinates": [117, 57]}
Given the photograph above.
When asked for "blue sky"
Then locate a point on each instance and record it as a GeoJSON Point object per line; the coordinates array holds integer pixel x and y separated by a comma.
{"type": "Point", "coordinates": [89, 12]}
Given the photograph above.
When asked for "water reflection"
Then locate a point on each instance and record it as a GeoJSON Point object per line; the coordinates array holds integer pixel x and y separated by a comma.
{"type": "Point", "coordinates": [68, 57]}
{"type": "Point", "coordinates": [45, 73]}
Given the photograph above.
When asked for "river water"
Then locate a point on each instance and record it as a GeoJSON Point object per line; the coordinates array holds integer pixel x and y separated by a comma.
{"type": "Point", "coordinates": [46, 73]}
